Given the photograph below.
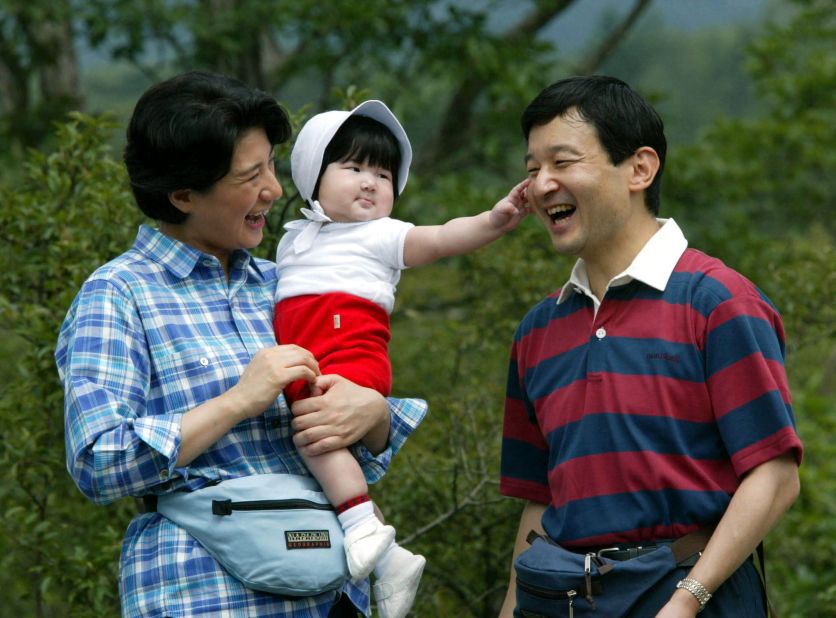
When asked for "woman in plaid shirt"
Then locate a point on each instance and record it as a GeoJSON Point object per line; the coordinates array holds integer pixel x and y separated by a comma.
{"type": "Point", "coordinates": [171, 374]}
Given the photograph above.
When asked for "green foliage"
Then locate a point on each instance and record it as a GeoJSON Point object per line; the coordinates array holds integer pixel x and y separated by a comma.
{"type": "Point", "coordinates": [756, 192]}
{"type": "Point", "coordinates": [759, 194]}
{"type": "Point", "coordinates": [451, 339]}
{"type": "Point", "coordinates": [69, 213]}
{"type": "Point", "coordinates": [688, 88]}
{"type": "Point", "coordinates": [776, 170]}
{"type": "Point", "coordinates": [750, 191]}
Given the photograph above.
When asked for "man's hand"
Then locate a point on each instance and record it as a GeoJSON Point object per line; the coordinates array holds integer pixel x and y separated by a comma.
{"type": "Point", "coordinates": [682, 604]}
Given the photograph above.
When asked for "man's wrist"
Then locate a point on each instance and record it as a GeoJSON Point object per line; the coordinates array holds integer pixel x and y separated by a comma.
{"type": "Point", "coordinates": [697, 590]}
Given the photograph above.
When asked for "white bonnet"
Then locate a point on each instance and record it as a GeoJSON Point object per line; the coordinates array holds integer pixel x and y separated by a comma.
{"type": "Point", "coordinates": [313, 139]}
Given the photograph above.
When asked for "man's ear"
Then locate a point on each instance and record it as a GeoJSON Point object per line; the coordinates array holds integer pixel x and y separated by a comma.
{"type": "Point", "coordinates": [182, 200]}
{"type": "Point", "coordinates": [645, 165]}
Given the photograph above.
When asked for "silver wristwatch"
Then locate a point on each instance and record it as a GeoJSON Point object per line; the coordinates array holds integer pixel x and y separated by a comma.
{"type": "Point", "coordinates": [697, 589]}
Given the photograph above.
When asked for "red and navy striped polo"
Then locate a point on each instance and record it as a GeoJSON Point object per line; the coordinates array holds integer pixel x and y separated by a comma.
{"type": "Point", "coordinates": [638, 423]}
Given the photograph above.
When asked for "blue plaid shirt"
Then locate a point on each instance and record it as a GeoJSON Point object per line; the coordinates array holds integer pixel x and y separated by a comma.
{"type": "Point", "coordinates": [151, 335]}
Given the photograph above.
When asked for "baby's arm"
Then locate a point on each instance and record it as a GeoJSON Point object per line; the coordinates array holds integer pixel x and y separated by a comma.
{"type": "Point", "coordinates": [428, 243]}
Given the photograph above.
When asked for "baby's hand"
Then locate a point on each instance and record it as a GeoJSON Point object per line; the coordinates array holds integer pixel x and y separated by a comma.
{"type": "Point", "coordinates": [510, 210]}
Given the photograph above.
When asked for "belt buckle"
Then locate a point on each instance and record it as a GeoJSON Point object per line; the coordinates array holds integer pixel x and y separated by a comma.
{"type": "Point", "coordinates": [632, 552]}
{"type": "Point", "coordinates": [600, 553]}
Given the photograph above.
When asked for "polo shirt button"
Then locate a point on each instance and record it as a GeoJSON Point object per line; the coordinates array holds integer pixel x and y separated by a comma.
{"type": "Point", "coordinates": [601, 333]}
{"type": "Point", "coordinates": [204, 361]}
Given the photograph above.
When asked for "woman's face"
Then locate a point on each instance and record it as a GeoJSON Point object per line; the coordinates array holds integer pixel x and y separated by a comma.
{"type": "Point", "coordinates": [232, 213]}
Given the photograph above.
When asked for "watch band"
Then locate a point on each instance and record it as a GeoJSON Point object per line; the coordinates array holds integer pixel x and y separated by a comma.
{"type": "Point", "coordinates": [697, 589]}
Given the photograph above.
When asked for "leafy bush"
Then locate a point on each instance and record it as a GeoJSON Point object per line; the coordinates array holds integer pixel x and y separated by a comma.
{"type": "Point", "coordinates": [70, 212]}
{"type": "Point", "coordinates": [755, 193]}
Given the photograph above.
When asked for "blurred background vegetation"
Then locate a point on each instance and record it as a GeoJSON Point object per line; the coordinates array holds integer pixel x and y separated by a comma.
{"type": "Point", "coordinates": [747, 93]}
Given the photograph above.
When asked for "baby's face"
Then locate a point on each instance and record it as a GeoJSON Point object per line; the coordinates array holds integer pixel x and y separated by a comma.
{"type": "Point", "coordinates": [353, 191]}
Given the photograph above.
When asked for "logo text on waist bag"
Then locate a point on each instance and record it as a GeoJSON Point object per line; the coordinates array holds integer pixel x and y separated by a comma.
{"type": "Point", "coordinates": [307, 539]}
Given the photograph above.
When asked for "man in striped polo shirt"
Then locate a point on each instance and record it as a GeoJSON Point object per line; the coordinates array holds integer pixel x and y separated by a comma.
{"type": "Point", "coordinates": [647, 397]}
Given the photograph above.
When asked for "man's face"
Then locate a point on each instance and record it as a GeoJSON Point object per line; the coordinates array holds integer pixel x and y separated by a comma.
{"type": "Point", "coordinates": [582, 199]}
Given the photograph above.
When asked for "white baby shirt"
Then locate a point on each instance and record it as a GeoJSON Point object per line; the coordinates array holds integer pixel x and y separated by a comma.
{"type": "Point", "coordinates": [363, 258]}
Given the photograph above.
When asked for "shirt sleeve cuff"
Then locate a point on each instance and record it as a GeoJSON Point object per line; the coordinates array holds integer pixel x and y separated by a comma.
{"type": "Point", "coordinates": [162, 434]}
{"type": "Point", "coordinates": [406, 415]}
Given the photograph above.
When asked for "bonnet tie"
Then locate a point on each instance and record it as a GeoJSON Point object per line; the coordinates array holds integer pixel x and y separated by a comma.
{"type": "Point", "coordinates": [314, 218]}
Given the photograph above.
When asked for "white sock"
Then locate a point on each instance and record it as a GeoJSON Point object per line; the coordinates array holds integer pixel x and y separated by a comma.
{"type": "Point", "coordinates": [356, 515]}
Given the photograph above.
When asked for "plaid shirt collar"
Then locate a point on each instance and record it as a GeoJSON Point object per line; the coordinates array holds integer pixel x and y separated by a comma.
{"type": "Point", "coordinates": [180, 259]}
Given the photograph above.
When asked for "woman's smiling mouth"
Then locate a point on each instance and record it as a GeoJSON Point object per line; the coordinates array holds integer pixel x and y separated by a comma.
{"type": "Point", "coordinates": [258, 217]}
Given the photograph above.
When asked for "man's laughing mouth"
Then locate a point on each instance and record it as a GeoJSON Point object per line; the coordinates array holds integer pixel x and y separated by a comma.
{"type": "Point", "coordinates": [560, 212]}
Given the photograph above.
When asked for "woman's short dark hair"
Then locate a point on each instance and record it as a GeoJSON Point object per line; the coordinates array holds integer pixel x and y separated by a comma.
{"type": "Point", "coordinates": [623, 119]}
{"type": "Point", "coordinates": [183, 133]}
{"type": "Point", "coordinates": [363, 139]}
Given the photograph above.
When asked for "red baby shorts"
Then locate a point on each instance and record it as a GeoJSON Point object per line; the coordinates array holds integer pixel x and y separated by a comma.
{"type": "Point", "coordinates": [348, 335]}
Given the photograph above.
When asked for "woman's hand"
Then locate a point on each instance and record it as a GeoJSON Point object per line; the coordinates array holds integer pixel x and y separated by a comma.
{"type": "Point", "coordinates": [338, 414]}
{"type": "Point", "coordinates": [270, 370]}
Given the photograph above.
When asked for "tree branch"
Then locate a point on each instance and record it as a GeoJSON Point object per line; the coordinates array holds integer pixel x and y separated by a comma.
{"type": "Point", "coordinates": [454, 130]}
{"type": "Point", "coordinates": [469, 500]}
{"type": "Point", "coordinates": [612, 41]}
{"type": "Point", "coordinates": [539, 17]}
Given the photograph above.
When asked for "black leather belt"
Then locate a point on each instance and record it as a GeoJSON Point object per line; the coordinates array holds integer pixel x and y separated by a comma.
{"type": "Point", "coordinates": [627, 552]}
{"type": "Point", "coordinates": [621, 552]}
{"type": "Point", "coordinates": [686, 551]}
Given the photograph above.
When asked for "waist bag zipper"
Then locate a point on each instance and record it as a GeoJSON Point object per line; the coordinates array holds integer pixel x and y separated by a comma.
{"type": "Point", "coordinates": [551, 594]}
{"type": "Point", "coordinates": [225, 507]}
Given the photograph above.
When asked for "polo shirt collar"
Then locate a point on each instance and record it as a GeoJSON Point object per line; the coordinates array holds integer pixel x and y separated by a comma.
{"type": "Point", "coordinates": [653, 265]}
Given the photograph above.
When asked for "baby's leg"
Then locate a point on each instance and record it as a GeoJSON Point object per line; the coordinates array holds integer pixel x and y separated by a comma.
{"type": "Point", "coordinates": [339, 474]}
{"type": "Point", "coordinates": [342, 480]}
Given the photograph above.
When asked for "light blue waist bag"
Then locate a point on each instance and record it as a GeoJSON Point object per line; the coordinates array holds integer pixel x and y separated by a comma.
{"type": "Point", "coordinates": [274, 532]}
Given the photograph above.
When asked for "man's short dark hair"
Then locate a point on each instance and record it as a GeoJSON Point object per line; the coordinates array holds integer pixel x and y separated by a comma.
{"type": "Point", "coordinates": [624, 121]}
{"type": "Point", "coordinates": [183, 132]}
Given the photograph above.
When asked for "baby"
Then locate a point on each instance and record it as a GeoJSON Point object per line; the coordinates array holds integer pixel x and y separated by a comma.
{"type": "Point", "coordinates": [337, 273]}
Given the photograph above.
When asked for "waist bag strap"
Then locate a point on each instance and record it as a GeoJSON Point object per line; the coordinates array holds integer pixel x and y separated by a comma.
{"type": "Point", "coordinates": [692, 543]}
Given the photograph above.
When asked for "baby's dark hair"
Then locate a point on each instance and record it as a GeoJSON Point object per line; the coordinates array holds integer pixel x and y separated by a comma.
{"type": "Point", "coordinates": [366, 140]}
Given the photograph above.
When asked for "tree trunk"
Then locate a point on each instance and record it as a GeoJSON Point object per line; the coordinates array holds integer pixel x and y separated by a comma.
{"type": "Point", "coordinates": [42, 47]}
{"type": "Point", "coordinates": [14, 95]}
{"type": "Point", "coordinates": [226, 49]}
{"type": "Point", "coordinates": [58, 79]}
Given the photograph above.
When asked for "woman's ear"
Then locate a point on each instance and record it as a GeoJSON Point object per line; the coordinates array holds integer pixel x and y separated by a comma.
{"type": "Point", "coordinates": [182, 200]}
{"type": "Point", "coordinates": [645, 166]}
